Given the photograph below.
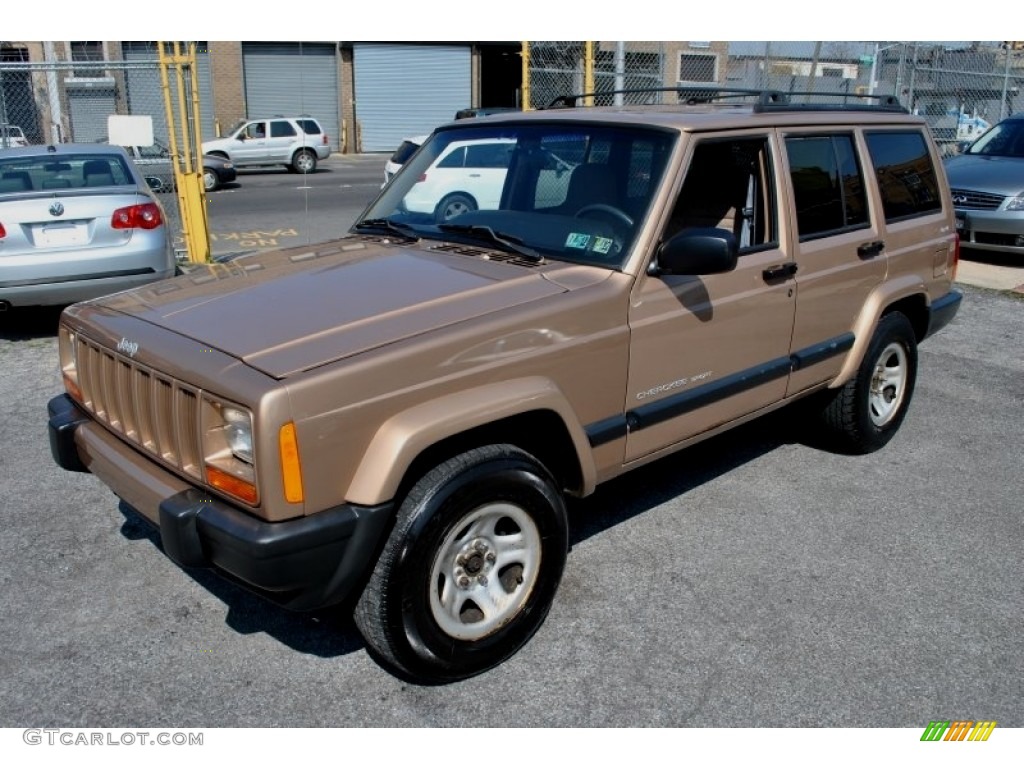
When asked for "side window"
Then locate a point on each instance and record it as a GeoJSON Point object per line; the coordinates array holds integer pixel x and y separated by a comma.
{"type": "Point", "coordinates": [729, 185]}
{"type": "Point", "coordinates": [828, 186]}
{"type": "Point", "coordinates": [454, 159]}
{"type": "Point", "coordinates": [256, 131]}
{"type": "Point", "coordinates": [490, 155]}
{"type": "Point", "coordinates": [906, 176]}
{"type": "Point", "coordinates": [308, 126]}
{"type": "Point", "coordinates": [280, 129]}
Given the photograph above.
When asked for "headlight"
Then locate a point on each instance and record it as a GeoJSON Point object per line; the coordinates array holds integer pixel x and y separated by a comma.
{"type": "Point", "coordinates": [238, 429]}
{"type": "Point", "coordinates": [1015, 203]}
{"type": "Point", "coordinates": [228, 456]}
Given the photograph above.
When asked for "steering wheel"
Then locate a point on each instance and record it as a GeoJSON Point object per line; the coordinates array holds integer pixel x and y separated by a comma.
{"type": "Point", "coordinates": [611, 210]}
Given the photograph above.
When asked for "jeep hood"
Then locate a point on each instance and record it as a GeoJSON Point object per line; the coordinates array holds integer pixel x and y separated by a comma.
{"type": "Point", "coordinates": [288, 311]}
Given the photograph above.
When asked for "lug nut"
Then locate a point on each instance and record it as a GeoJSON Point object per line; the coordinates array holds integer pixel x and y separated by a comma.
{"type": "Point", "coordinates": [482, 579]}
{"type": "Point", "coordinates": [491, 557]}
{"type": "Point", "coordinates": [463, 581]}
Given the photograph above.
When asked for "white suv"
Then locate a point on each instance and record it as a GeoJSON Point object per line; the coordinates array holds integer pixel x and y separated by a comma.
{"type": "Point", "coordinates": [295, 142]}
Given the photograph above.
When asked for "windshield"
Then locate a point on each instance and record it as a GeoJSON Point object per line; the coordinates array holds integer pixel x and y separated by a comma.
{"type": "Point", "coordinates": [569, 191]}
{"type": "Point", "coordinates": [1005, 139]}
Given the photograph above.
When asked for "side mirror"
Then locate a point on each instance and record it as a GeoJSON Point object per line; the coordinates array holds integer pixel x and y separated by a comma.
{"type": "Point", "coordinates": [697, 251]}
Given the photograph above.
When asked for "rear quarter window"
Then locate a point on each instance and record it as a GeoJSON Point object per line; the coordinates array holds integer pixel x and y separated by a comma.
{"type": "Point", "coordinates": [905, 173]}
{"type": "Point", "coordinates": [309, 126]}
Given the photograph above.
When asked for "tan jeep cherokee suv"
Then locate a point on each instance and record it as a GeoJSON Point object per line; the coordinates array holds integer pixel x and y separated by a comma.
{"type": "Point", "coordinates": [396, 416]}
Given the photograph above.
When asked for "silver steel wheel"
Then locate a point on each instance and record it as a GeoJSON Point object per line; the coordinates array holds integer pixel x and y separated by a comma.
{"type": "Point", "coordinates": [888, 384]}
{"type": "Point", "coordinates": [484, 571]}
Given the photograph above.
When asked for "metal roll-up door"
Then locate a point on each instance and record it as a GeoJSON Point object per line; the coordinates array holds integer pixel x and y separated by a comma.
{"type": "Point", "coordinates": [89, 109]}
{"type": "Point", "coordinates": [405, 90]}
{"type": "Point", "coordinates": [145, 88]}
{"type": "Point", "coordinates": [291, 79]}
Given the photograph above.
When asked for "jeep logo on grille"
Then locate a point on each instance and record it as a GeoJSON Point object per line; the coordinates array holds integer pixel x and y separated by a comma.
{"type": "Point", "coordinates": [127, 347]}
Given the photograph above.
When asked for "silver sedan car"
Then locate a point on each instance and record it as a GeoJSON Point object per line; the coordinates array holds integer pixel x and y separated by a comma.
{"type": "Point", "coordinates": [987, 184]}
{"type": "Point", "coordinates": [77, 221]}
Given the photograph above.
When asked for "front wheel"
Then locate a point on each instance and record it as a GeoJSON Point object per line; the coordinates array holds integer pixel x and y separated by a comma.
{"type": "Point", "coordinates": [865, 413]}
{"type": "Point", "coordinates": [470, 569]}
{"type": "Point", "coordinates": [210, 180]}
{"type": "Point", "coordinates": [304, 161]}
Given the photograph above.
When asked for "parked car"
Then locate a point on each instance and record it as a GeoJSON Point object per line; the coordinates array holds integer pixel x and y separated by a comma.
{"type": "Point", "coordinates": [390, 423]}
{"type": "Point", "coordinates": [400, 155]}
{"type": "Point", "coordinates": [155, 163]}
{"type": "Point", "coordinates": [12, 136]}
{"type": "Point", "coordinates": [298, 143]}
{"type": "Point", "coordinates": [987, 184]}
{"type": "Point", "coordinates": [470, 175]}
{"type": "Point", "coordinates": [77, 221]}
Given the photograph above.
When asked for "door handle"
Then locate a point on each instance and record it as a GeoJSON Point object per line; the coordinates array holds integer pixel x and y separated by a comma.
{"type": "Point", "coordinates": [779, 272]}
{"type": "Point", "coordinates": [867, 250]}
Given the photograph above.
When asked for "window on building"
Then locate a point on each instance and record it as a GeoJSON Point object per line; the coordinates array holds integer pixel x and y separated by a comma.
{"type": "Point", "coordinates": [697, 67]}
{"type": "Point", "coordinates": [82, 52]}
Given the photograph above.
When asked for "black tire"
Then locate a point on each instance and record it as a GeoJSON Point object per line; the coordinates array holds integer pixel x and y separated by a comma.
{"type": "Point", "coordinates": [211, 181]}
{"type": "Point", "coordinates": [866, 412]}
{"type": "Point", "coordinates": [470, 569]}
{"type": "Point", "coordinates": [304, 161]}
{"type": "Point", "coordinates": [453, 205]}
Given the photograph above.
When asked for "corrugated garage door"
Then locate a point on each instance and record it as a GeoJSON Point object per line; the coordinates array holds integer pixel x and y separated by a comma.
{"type": "Point", "coordinates": [89, 108]}
{"type": "Point", "coordinates": [145, 91]}
{"type": "Point", "coordinates": [292, 79]}
{"type": "Point", "coordinates": [405, 90]}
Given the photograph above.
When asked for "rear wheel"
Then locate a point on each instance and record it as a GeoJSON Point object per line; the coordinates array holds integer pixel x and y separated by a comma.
{"type": "Point", "coordinates": [304, 161]}
{"type": "Point", "coordinates": [470, 569]}
{"type": "Point", "coordinates": [455, 204]}
{"type": "Point", "coordinates": [865, 413]}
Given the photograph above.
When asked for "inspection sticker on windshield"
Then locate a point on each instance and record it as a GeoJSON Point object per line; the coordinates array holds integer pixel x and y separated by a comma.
{"type": "Point", "coordinates": [602, 244]}
{"type": "Point", "coordinates": [577, 240]}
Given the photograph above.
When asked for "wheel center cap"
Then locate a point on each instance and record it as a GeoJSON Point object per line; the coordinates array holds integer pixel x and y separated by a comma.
{"type": "Point", "coordinates": [474, 564]}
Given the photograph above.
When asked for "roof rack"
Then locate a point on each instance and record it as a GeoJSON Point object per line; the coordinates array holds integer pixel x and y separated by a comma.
{"type": "Point", "coordinates": [762, 100]}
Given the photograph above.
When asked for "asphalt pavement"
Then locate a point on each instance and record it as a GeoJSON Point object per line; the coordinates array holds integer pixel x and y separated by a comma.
{"type": "Point", "coordinates": [753, 580]}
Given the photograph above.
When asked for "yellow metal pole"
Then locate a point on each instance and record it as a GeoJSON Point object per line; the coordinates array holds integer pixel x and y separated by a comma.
{"type": "Point", "coordinates": [526, 75]}
{"type": "Point", "coordinates": [189, 184]}
{"type": "Point", "coordinates": [588, 72]}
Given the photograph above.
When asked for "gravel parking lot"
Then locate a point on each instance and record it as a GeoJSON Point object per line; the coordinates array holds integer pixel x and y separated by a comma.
{"type": "Point", "coordinates": [751, 581]}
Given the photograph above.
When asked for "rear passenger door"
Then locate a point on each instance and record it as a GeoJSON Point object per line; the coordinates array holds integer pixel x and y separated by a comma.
{"type": "Point", "coordinates": [840, 253]}
{"type": "Point", "coordinates": [281, 139]}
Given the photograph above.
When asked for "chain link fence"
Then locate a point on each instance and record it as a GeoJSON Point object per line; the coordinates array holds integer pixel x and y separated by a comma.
{"type": "Point", "coordinates": [960, 89]}
{"type": "Point", "coordinates": [60, 102]}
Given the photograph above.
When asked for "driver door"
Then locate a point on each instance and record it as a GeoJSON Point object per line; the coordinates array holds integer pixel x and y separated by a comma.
{"type": "Point", "coordinates": [707, 349]}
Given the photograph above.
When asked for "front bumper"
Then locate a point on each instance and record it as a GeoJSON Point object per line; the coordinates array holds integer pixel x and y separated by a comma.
{"type": "Point", "coordinates": [1001, 231]}
{"type": "Point", "coordinates": [302, 564]}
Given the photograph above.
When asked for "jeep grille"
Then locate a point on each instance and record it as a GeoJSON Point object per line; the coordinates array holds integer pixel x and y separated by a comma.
{"type": "Point", "coordinates": [155, 412]}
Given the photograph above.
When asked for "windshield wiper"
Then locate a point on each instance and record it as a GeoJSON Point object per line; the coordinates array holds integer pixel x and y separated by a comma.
{"type": "Point", "coordinates": [507, 241]}
{"type": "Point", "coordinates": [388, 226]}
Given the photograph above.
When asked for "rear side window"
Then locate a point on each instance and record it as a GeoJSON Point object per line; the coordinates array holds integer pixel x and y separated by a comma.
{"type": "Point", "coordinates": [827, 184]}
{"type": "Point", "coordinates": [280, 128]}
{"type": "Point", "coordinates": [404, 152]}
{"type": "Point", "coordinates": [309, 126]}
{"type": "Point", "coordinates": [488, 155]}
{"type": "Point", "coordinates": [906, 176]}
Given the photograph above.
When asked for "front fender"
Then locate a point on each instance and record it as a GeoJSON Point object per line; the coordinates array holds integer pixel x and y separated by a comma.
{"type": "Point", "coordinates": [404, 436]}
